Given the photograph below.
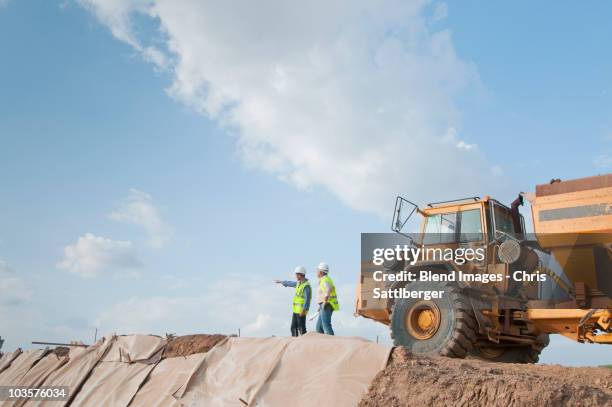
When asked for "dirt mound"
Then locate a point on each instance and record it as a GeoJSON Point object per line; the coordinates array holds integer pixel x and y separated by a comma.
{"type": "Point", "coordinates": [417, 381]}
{"type": "Point", "coordinates": [61, 351]}
{"type": "Point", "coordinates": [190, 344]}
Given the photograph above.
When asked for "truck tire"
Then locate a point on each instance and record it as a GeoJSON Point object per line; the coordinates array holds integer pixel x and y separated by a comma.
{"type": "Point", "coordinates": [507, 355]}
{"type": "Point", "coordinates": [523, 354]}
{"type": "Point", "coordinates": [441, 326]}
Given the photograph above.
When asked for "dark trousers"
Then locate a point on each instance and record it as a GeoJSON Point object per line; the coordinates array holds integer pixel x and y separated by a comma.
{"type": "Point", "coordinates": [298, 325]}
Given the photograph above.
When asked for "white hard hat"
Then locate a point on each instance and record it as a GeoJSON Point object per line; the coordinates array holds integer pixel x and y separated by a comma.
{"type": "Point", "coordinates": [323, 267]}
{"type": "Point", "coordinates": [300, 270]}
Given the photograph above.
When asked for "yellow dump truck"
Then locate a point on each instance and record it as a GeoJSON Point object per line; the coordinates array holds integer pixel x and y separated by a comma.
{"type": "Point", "coordinates": [523, 287]}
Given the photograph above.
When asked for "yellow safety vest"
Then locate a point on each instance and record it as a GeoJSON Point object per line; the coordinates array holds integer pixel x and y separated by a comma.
{"type": "Point", "coordinates": [299, 298]}
{"type": "Point", "coordinates": [333, 298]}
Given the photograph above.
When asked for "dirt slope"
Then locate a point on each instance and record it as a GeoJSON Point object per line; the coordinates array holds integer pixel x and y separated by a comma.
{"type": "Point", "coordinates": [412, 381]}
{"type": "Point", "coordinates": [189, 344]}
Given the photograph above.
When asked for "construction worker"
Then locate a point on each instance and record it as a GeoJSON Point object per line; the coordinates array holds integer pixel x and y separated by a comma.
{"type": "Point", "coordinates": [327, 300]}
{"type": "Point", "coordinates": [301, 300]}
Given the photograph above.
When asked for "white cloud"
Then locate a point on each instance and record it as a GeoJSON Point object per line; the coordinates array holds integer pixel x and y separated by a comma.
{"type": "Point", "coordinates": [257, 307]}
{"type": "Point", "coordinates": [22, 319]}
{"type": "Point", "coordinates": [497, 170]}
{"type": "Point", "coordinates": [13, 290]}
{"type": "Point", "coordinates": [252, 302]}
{"type": "Point", "coordinates": [138, 209]}
{"type": "Point", "coordinates": [603, 161]}
{"type": "Point", "coordinates": [440, 12]}
{"type": "Point", "coordinates": [462, 145]}
{"type": "Point", "coordinates": [355, 96]}
{"type": "Point", "coordinates": [173, 282]}
{"type": "Point", "coordinates": [92, 255]}
{"type": "Point", "coordinates": [261, 321]}
{"type": "Point", "coordinates": [451, 138]}
{"type": "Point", "coordinates": [116, 15]}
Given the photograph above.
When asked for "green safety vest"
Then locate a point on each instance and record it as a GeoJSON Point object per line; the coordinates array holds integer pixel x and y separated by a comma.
{"type": "Point", "coordinates": [333, 298]}
{"type": "Point", "coordinates": [299, 299]}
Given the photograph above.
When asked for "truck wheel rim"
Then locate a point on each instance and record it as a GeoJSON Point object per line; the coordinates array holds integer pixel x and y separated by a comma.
{"type": "Point", "coordinates": [423, 320]}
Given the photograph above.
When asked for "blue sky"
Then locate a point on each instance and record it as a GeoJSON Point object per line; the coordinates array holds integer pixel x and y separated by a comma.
{"type": "Point", "coordinates": [153, 162]}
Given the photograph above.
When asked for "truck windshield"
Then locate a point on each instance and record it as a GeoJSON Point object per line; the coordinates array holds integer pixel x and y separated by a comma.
{"type": "Point", "coordinates": [471, 226]}
{"type": "Point", "coordinates": [503, 220]}
{"type": "Point", "coordinates": [464, 226]}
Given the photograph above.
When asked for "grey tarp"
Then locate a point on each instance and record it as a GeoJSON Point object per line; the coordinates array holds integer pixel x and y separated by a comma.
{"type": "Point", "coordinates": [166, 379]}
{"type": "Point", "coordinates": [74, 373]}
{"type": "Point", "coordinates": [231, 371]}
{"type": "Point", "coordinates": [112, 384]}
{"type": "Point", "coordinates": [38, 373]}
{"type": "Point", "coordinates": [8, 358]}
{"type": "Point", "coordinates": [312, 370]}
{"type": "Point", "coordinates": [131, 348]}
{"type": "Point", "coordinates": [320, 370]}
{"type": "Point", "coordinates": [20, 366]}
{"type": "Point", "coordinates": [117, 378]}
